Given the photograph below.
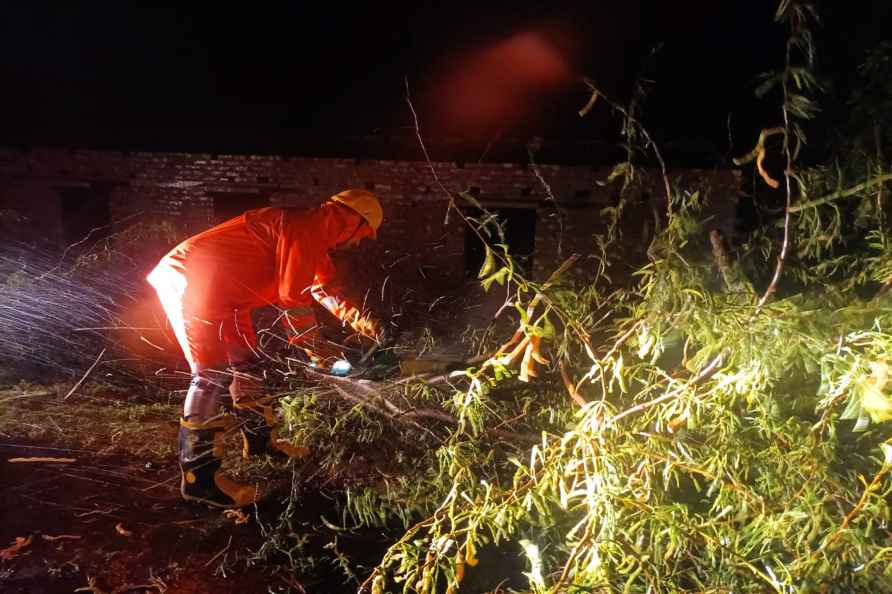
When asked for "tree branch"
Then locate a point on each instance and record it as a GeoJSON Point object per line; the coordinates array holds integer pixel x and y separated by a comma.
{"type": "Point", "coordinates": [881, 179]}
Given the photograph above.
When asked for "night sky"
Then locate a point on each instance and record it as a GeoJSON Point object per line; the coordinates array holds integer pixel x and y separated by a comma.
{"type": "Point", "coordinates": [328, 79]}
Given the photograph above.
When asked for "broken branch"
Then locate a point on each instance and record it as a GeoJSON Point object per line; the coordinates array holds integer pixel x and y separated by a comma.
{"type": "Point", "coordinates": [80, 381]}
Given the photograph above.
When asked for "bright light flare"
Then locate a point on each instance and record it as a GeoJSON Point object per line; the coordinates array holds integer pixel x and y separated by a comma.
{"type": "Point", "coordinates": [501, 84]}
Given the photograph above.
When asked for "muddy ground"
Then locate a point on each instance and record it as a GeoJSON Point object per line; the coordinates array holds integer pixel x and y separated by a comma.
{"type": "Point", "coordinates": [89, 488]}
{"type": "Point", "coordinates": [91, 485]}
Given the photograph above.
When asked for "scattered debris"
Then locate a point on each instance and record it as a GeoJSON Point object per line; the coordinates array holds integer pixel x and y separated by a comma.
{"type": "Point", "coordinates": [158, 585]}
{"type": "Point", "coordinates": [150, 343]}
{"type": "Point", "coordinates": [122, 531]}
{"type": "Point", "coordinates": [12, 551]}
{"type": "Point", "coordinates": [104, 512]}
{"type": "Point", "coordinates": [91, 587]}
{"type": "Point", "coordinates": [290, 581]}
{"type": "Point", "coordinates": [237, 515]}
{"type": "Point", "coordinates": [51, 538]}
{"type": "Point", "coordinates": [43, 459]}
{"type": "Point", "coordinates": [26, 395]}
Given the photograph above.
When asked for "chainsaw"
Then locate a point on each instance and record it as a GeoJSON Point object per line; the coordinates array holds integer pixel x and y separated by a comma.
{"type": "Point", "coordinates": [381, 362]}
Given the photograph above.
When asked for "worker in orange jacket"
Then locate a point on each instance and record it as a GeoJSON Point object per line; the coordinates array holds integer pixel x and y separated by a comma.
{"type": "Point", "coordinates": [209, 284]}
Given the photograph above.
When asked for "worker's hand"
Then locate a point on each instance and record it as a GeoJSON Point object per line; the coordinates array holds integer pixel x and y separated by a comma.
{"type": "Point", "coordinates": [367, 326]}
{"type": "Point", "coordinates": [322, 354]}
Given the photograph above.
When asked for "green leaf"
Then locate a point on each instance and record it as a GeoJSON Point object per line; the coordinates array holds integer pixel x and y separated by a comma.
{"type": "Point", "coordinates": [621, 169]}
{"type": "Point", "coordinates": [522, 312]}
{"type": "Point", "coordinates": [862, 424]}
{"type": "Point", "coordinates": [498, 277]}
{"type": "Point", "coordinates": [646, 345]}
{"type": "Point", "coordinates": [329, 525]}
{"type": "Point", "coordinates": [548, 330]}
{"type": "Point", "coordinates": [618, 369]}
{"type": "Point", "coordinates": [489, 263]}
{"type": "Point", "coordinates": [852, 410]}
{"type": "Point", "coordinates": [470, 199]}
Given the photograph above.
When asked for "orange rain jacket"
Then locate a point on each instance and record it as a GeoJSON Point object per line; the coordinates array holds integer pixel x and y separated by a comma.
{"type": "Point", "coordinates": [209, 283]}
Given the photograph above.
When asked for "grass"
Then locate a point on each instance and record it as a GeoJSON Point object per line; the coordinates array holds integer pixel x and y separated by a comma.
{"type": "Point", "coordinates": [97, 422]}
{"type": "Point", "coordinates": [105, 423]}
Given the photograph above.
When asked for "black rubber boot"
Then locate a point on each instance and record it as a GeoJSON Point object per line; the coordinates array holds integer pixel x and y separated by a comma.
{"type": "Point", "coordinates": [200, 460]}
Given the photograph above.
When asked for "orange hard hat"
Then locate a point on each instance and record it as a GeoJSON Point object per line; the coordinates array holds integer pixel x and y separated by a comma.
{"type": "Point", "coordinates": [365, 204]}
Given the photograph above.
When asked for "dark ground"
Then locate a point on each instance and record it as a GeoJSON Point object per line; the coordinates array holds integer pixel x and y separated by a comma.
{"type": "Point", "coordinates": [110, 519]}
{"type": "Point", "coordinates": [106, 517]}
{"type": "Point", "coordinates": [133, 532]}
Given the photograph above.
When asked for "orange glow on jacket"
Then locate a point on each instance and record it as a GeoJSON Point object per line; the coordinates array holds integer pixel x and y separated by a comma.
{"type": "Point", "coordinates": [262, 257]}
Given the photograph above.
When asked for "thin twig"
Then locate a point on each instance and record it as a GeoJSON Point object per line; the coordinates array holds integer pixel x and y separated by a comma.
{"type": "Point", "coordinates": [223, 550]}
{"type": "Point", "coordinates": [5, 400]}
{"type": "Point", "coordinates": [874, 484]}
{"type": "Point", "coordinates": [394, 412]}
{"type": "Point", "coordinates": [562, 214]}
{"type": "Point", "coordinates": [568, 384]}
{"type": "Point", "coordinates": [708, 371]}
{"type": "Point", "coordinates": [650, 142]}
{"type": "Point", "coordinates": [451, 205]}
{"type": "Point", "coordinates": [80, 381]}
{"type": "Point", "coordinates": [782, 257]}
{"type": "Point", "coordinates": [423, 147]}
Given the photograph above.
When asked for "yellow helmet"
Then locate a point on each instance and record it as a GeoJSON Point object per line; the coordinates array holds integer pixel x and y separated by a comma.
{"type": "Point", "coordinates": [363, 203]}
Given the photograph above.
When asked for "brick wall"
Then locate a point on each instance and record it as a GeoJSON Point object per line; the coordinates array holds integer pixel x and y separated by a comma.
{"type": "Point", "coordinates": [417, 251]}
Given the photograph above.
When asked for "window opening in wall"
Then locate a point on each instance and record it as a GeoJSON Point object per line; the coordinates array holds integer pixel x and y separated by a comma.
{"type": "Point", "coordinates": [519, 225]}
{"type": "Point", "coordinates": [228, 205]}
{"type": "Point", "coordinates": [86, 215]}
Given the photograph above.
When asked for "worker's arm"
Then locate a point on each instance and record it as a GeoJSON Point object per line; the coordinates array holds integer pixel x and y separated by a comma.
{"type": "Point", "coordinates": [331, 300]}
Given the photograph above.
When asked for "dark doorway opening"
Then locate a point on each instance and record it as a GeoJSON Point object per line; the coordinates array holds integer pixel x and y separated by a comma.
{"type": "Point", "coordinates": [228, 205]}
{"type": "Point", "coordinates": [519, 225]}
{"type": "Point", "coordinates": [86, 215]}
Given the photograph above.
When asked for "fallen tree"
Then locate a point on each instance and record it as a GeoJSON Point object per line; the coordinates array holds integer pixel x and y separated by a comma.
{"type": "Point", "coordinates": [718, 426]}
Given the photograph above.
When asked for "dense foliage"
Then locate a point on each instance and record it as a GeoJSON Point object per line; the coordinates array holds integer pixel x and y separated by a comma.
{"type": "Point", "coordinates": [721, 424]}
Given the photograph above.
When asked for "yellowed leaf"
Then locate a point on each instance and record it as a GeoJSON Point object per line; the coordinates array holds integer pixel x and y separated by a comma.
{"type": "Point", "coordinates": [237, 515]}
{"type": "Point", "coordinates": [760, 159]}
{"type": "Point", "coordinates": [874, 401]}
